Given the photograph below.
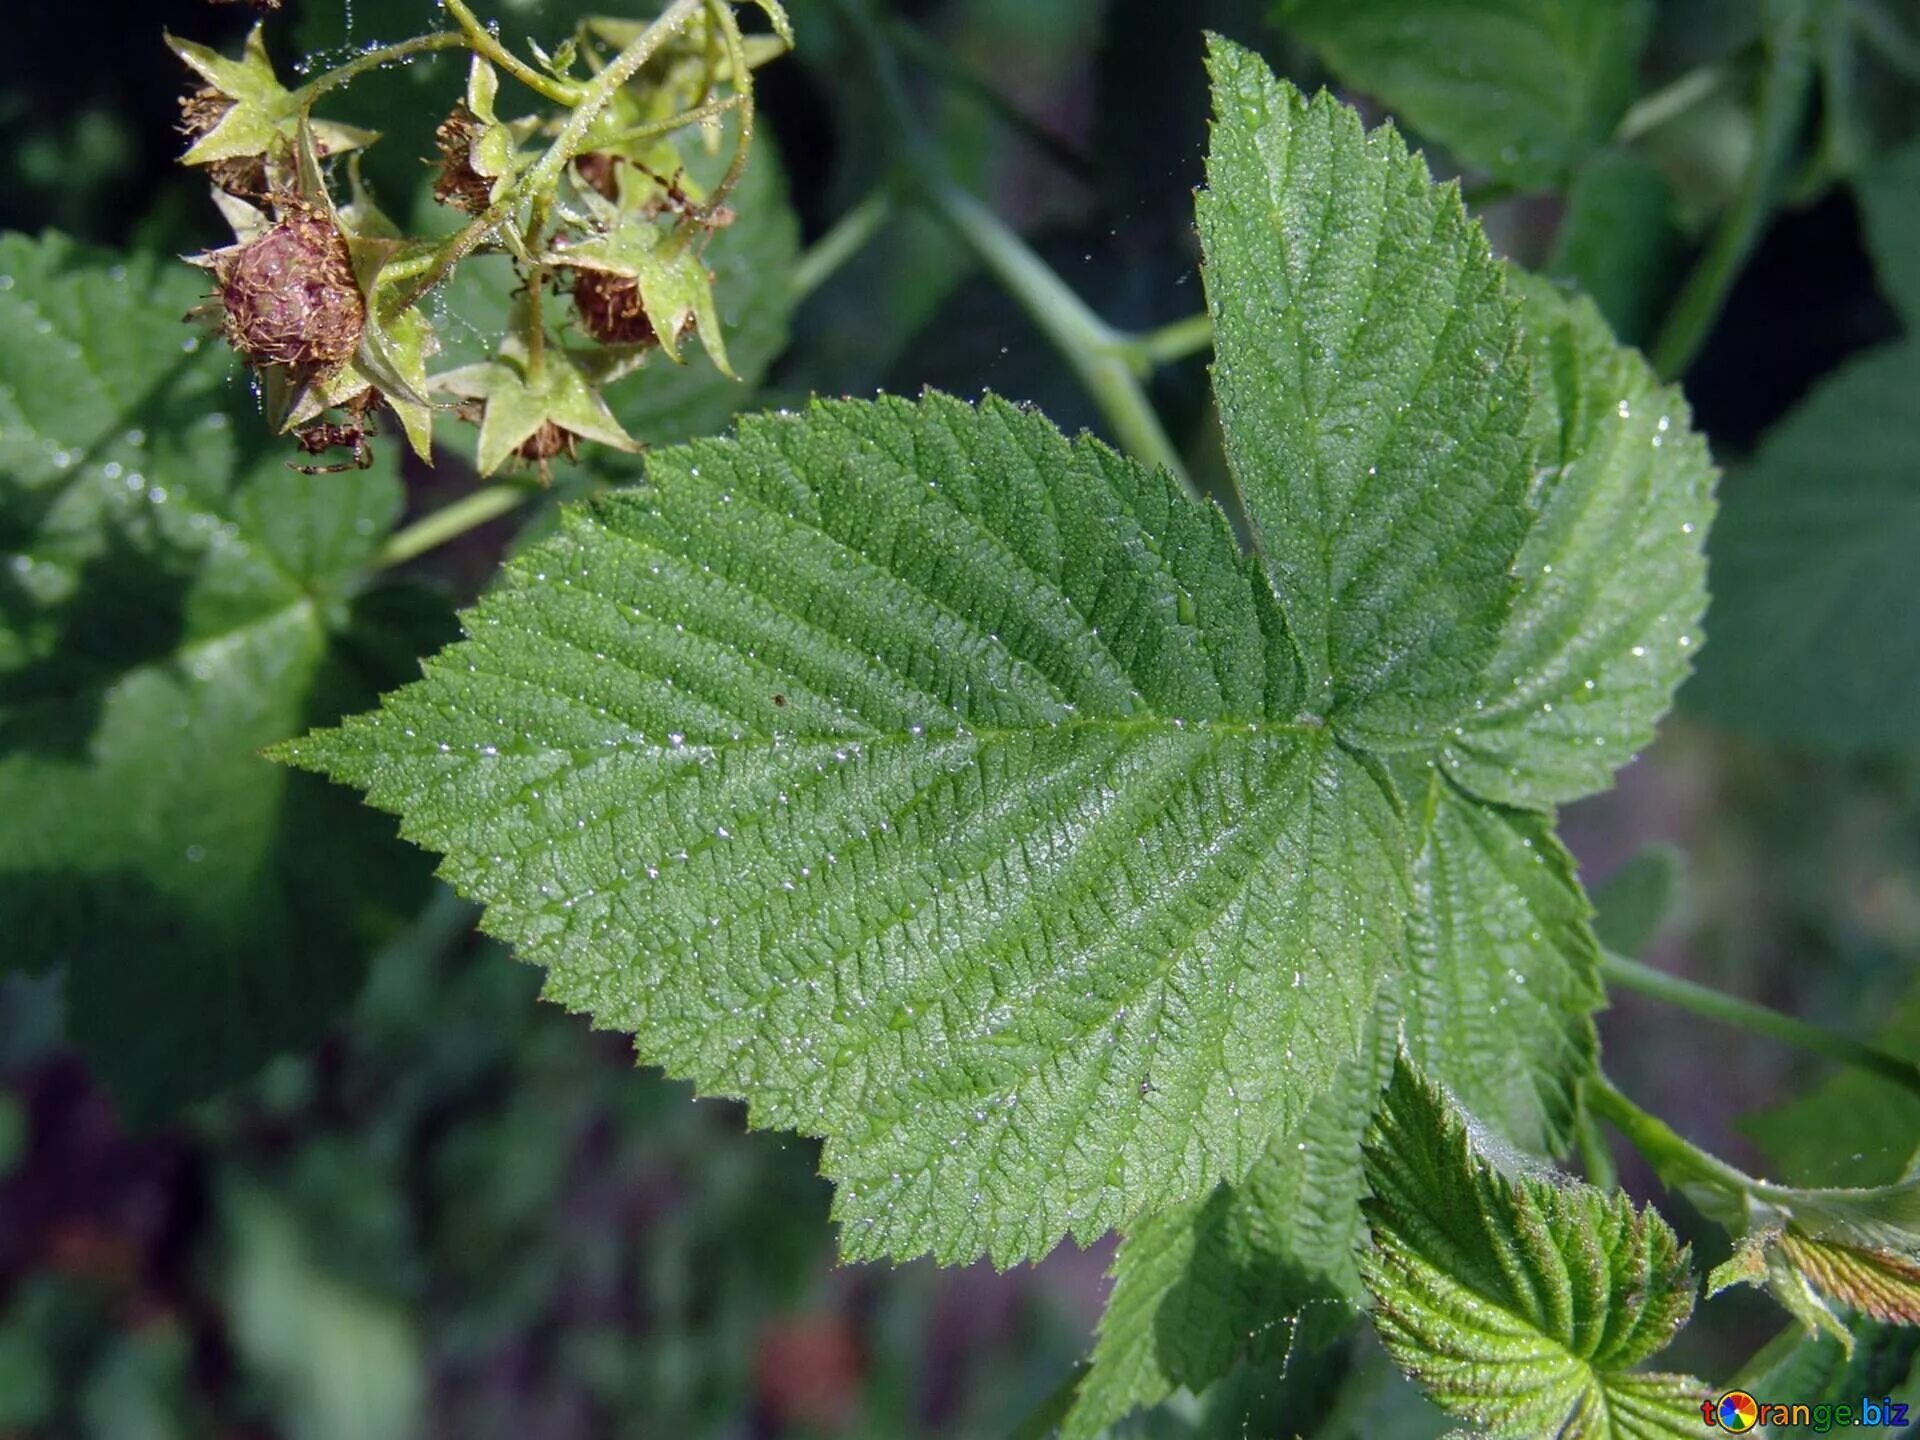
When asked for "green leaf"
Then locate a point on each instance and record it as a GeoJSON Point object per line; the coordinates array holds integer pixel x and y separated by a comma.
{"type": "Point", "coordinates": [1614, 582]}
{"type": "Point", "coordinates": [1618, 240]}
{"type": "Point", "coordinates": [1521, 88]}
{"type": "Point", "coordinates": [1373, 393]}
{"type": "Point", "coordinates": [1519, 1302]}
{"type": "Point", "coordinates": [1813, 569]}
{"type": "Point", "coordinates": [913, 774]}
{"type": "Point", "coordinates": [1503, 973]}
{"type": "Point", "coordinates": [1632, 904]}
{"type": "Point", "coordinates": [1200, 1287]}
{"type": "Point", "coordinates": [1889, 193]}
{"type": "Point", "coordinates": [174, 599]}
{"type": "Point", "coordinates": [1883, 1361]}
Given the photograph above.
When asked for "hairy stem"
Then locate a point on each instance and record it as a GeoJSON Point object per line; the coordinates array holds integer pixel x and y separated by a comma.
{"type": "Point", "coordinates": [1665, 1149]}
{"type": "Point", "coordinates": [451, 521]}
{"type": "Point", "coordinates": [1669, 102]}
{"type": "Point", "coordinates": [330, 80]}
{"type": "Point", "coordinates": [485, 43]}
{"type": "Point", "coordinates": [1784, 87]}
{"type": "Point", "coordinates": [847, 237]}
{"type": "Point", "coordinates": [1745, 1015]}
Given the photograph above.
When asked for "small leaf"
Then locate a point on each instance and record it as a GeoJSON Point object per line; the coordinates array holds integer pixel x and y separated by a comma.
{"type": "Point", "coordinates": [1633, 903]}
{"type": "Point", "coordinates": [1521, 88]}
{"type": "Point", "coordinates": [1373, 395]}
{"type": "Point", "coordinates": [908, 771]}
{"type": "Point", "coordinates": [1877, 1283]}
{"type": "Point", "coordinates": [1519, 1302]}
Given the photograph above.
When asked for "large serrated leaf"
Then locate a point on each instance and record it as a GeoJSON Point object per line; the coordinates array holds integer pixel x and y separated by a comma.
{"type": "Point", "coordinates": [1373, 394]}
{"type": "Point", "coordinates": [910, 772]}
{"type": "Point", "coordinates": [1522, 88]}
{"type": "Point", "coordinates": [1519, 1302]}
{"type": "Point", "coordinates": [175, 599]}
{"type": "Point", "coordinates": [1613, 574]}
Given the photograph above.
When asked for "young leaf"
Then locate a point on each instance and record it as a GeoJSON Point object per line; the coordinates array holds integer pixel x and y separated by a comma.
{"type": "Point", "coordinates": [1521, 88]}
{"type": "Point", "coordinates": [1813, 569]}
{"type": "Point", "coordinates": [932, 783]}
{"type": "Point", "coordinates": [1632, 905]}
{"type": "Point", "coordinates": [1613, 574]}
{"type": "Point", "coordinates": [1199, 1286]}
{"type": "Point", "coordinates": [1519, 1302]}
{"type": "Point", "coordinates": [1503, 973]}
{"type": "Point", "coordinates": [174, 602]}
{"type": "Point", "coordinates": [1373, 395]}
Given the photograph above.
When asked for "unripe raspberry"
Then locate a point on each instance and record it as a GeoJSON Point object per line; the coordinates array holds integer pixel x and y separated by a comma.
{"type": "Point", "coordinates": [243, 175]}
{"type": "Point", "coordinates": [290, 297]}
{"type": "Point", "coordinates": [610, 308]}
{"type": "Point", "coordinates": [548, 441]}
{"type": "Point", "coordinates": [458, 184]}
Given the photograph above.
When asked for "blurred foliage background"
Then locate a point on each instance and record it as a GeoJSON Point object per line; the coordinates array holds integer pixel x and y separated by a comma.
{"type": "Point", "coordinates": [462, 1214]}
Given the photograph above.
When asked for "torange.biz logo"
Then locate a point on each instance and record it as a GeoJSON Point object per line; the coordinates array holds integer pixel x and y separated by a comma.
{"type": "Point", "coordinates": [1739, 1412]}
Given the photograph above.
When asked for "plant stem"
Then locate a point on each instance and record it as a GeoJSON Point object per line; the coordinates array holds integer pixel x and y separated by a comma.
{"type": "Point", "coordinates": [1099, 355]}
{"type": "Point", "coordinates": [450, 521]}
{"type": "Point", "coordinates": [1670, 1154]}
{"type": "Point", "coordinates": [1172, 342]}
{"type": "Point", "coordinates": [1595, 1158]}
{"type": "Point", "coordinates": [1745, 1015]}
{"type": "Point", "coordinates": [847, 237]}
{"type": "Point", "coordinates": [1669, 102]}
{"type": "Point", "coordinates": [1783, 101]}
{"type": "Point", "coordinates": [483, 42]}
{"type": "Point", "coordinates": [333, 79]}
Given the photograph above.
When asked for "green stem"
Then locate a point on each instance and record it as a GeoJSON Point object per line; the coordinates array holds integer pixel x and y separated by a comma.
{"type": "Point", "coordinates": [1099, 355]}
{"type": "Point", "coordinates": [1173, 342]}
{"type": "Point", "coordinates": [722, 14]}
{"type": "Point", "coordinates": [1595, 1156]}
{"type": "Point", "coordinates": [712, 110]}
{"type": "Point", "coordinates": [1758, 1019]}
{"type": "Point", "coordinates": [1669, 102]}
{"type": "Point", "coordinates": [485, 43]}
{"type": "Point", "coordinates": [321, 84]}
{"type": "Point", "coordinates": [1676, 1158]}
{"type": "Point", "coordinates": [848, 236]}
{"type": "Point", "coordinates": [1783, 102]}
{"type": "Point", "coordinates": [451, 521]}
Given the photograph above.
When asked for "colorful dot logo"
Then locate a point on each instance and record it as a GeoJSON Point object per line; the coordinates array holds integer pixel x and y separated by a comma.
{"type": "Point", "coordinates": [1738, 1411]}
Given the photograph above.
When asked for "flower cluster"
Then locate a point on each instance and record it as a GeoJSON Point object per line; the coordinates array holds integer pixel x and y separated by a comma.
{"type": "Point", "coordinates": [591, 196]}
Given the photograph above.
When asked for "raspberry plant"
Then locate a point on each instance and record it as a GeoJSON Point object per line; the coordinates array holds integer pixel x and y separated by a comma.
{"type": "Point", "coordinates": [1067, 851]}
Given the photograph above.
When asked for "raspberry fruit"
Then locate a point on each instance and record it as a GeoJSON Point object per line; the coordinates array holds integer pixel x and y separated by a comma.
{"type": "Point", "coordinates": [290, 297]}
